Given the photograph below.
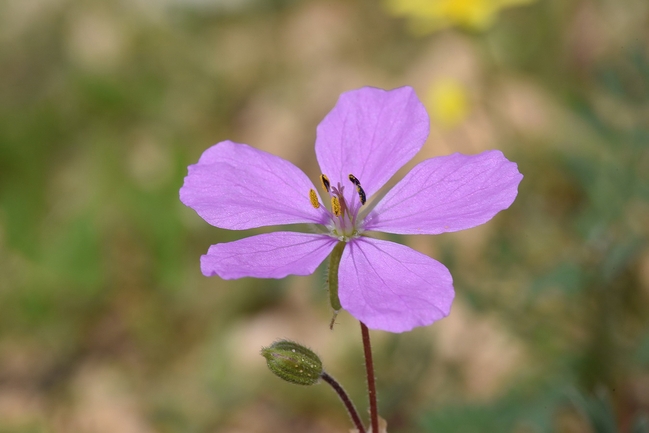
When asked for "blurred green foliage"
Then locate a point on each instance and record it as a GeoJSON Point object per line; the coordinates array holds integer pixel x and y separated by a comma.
{"type": "Point", "coordinates": [105, 321]}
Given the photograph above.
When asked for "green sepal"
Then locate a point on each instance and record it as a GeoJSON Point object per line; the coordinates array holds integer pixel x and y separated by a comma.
{"type": "Point", "coordinates": [293, 362]}
{"type": "Point", "coordinates": [334, 264]}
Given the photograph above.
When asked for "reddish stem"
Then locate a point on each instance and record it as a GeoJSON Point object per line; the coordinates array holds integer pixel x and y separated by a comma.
{"type": "Point", "coordinates": [353, 414]}
{"type": "Point", "coordinates": [371, 383]}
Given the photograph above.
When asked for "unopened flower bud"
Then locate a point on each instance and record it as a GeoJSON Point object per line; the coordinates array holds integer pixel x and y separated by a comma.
{"type": "Point", "coordinates": [293, 362]}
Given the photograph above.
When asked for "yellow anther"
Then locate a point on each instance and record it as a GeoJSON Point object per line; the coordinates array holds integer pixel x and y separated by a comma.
{"type": "Point", "coordinates": [335, 206]}
{"type": "Point", "coordinates": [326, 185]}
{"type": "Point", "coordinates": [314, 199]}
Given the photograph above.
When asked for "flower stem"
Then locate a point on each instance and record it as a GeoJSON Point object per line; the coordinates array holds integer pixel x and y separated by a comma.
{"type": "Point", "coordinates": [371, 384]}
{"type": "Point", "coordinates": [353, 413]}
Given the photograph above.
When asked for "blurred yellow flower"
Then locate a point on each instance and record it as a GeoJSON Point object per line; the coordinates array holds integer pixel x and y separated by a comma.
{"type": "Point", "coordinates": [429, 15]}
{"type": "Point", "coordinates": [448, 102]}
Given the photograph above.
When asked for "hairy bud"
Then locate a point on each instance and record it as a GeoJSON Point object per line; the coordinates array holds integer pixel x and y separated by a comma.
{"type": "Point", "coordinates": [293, 362]}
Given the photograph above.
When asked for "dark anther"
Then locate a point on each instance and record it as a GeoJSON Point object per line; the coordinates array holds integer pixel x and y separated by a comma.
{"type": "Point", "coordinates": [325, 182]}
{"type": "Point", "coordinates": [359, 188]}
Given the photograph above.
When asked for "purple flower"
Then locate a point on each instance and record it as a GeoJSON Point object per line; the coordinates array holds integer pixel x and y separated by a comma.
{"type": "Point", "coordinates": [368, 136]}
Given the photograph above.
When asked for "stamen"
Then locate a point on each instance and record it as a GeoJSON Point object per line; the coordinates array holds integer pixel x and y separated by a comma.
{"type": "Point", "coordinates": [335, 206]}
{"type": "Point", "coordinates": [326, 185]}
{"type": "Point", "coordinates": [314, 199]}
{"type": "Point", "coordinates": [359, 188]}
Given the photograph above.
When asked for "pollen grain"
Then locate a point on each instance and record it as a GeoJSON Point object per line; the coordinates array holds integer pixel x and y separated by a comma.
{"type": "Point", "coordinates": [335, 206]}
{"type": "Point", "coordinates": [313, 197]}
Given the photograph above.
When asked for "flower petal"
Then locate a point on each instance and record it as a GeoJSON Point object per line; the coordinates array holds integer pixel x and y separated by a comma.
{"type": "Point", "coordinates": [371, 133]}
{"type": "Point", "coordinates": [447, 194]}
{"type": "Point", "coordinates": [235, 186]}
{"type": "Point", "coordinates": [271, 255]}
{"type": "Point", "coordinates": [392, 287]}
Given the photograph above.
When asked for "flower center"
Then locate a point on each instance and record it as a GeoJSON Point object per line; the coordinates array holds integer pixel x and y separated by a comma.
{"type": "Point", "coordinates": [343, 222]}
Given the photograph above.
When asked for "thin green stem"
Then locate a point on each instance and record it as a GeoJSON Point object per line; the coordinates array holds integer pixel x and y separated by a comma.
{"type": "Point", "coordinates": [353, 413]}
{"type": "Point", "coordinates": [334, 264]}
{"type": "Point", "coordinates": [332, 280]}
{"type": "Point", "coordinates": [371, 383]}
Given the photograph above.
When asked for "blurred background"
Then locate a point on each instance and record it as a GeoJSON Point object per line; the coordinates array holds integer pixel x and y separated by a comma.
{"type": "Point", "coordinates": [106, 323]}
